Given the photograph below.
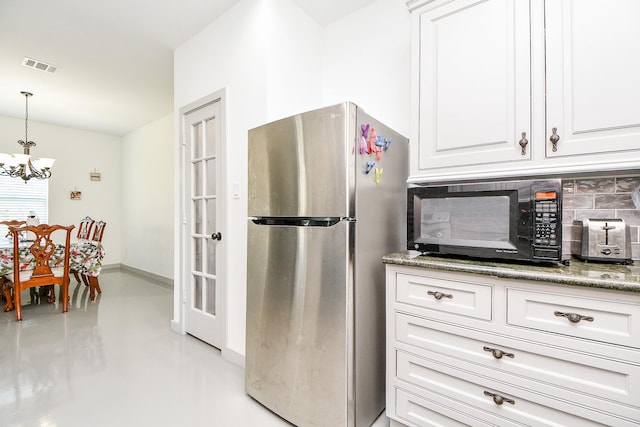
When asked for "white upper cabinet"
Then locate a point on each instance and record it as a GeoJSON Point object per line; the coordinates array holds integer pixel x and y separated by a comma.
{"type": "Point", "coordinates": [473, 83]}
{"type": "Point", "coordinates": [593, 76]}
{"type": "Point", "coordinates": [491, 80]}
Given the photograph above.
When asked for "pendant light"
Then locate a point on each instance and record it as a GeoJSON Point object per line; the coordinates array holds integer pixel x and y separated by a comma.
{"type": "Point", "coordinates": [21, 165]}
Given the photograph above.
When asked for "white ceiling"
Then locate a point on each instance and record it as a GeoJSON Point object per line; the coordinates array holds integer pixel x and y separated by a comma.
{"type": "Point", "coordinates": [115, 57]}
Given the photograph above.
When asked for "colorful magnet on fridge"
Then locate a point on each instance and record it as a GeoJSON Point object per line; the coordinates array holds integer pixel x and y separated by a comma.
{"type": "Point", "coordinates": [363, 145]}
{"type": "Point", "coordinates": [387, 143]}
{"type": "Point", "coordinates": [365, 130]}
{"type": "Point", "coordinates": [379, 141]}
{"type": "Point", "coordinates": [372, 140]}
{"type": "Point", "coordinates": [370, 166]}
{"type": "Point", "coordinates": [378, 173]}
{"type": "Point", "coordinates": [378, 153]}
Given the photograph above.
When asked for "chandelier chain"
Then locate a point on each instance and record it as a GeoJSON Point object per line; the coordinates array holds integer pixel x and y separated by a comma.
{"type": "Point", "coordinates": [26, 118]}
{"type": "Point", "coordinates": [26, 143]}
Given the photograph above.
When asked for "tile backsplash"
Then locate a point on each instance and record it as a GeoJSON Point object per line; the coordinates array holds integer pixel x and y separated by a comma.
{"type": "Point", "coordinates": [607, 197]}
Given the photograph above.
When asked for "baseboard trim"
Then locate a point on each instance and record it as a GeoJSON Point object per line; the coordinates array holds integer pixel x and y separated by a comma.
{"type": "Point", "coordinates": [163, 281]}
{"type": "Point", "coordinates": [177, 327]}
{"type": "Point", "coordinates": [233, 357]}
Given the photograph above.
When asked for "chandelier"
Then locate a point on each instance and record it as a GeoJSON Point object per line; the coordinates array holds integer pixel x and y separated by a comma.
{"type": "Point", "coordinates": [21, 165]}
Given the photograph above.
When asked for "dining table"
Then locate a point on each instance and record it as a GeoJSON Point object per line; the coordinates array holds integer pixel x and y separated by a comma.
{"type": "Point", "coordinates": [85, 258]}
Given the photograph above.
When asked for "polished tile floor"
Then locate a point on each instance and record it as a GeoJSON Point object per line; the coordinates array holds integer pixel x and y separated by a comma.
{"type": "Point", "coordinates": [116, 362]}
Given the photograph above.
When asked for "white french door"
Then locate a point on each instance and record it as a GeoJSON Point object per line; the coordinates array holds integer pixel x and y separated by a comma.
{"type": "Point", "coordinates": [203, 175]}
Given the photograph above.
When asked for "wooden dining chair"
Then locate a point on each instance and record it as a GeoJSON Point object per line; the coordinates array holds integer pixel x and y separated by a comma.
{"type": "Point", "coordinates": [42, 248]}
{"type": "Point", "coordinates": [84, 230]}
{"type": "Point", "coordinates": [12, 223]}
{"type": "Point", "coordinates": [84, 233]}
{"type": "Point", "coordinates": [6, 289]}
{"type": "Point", "coordinates": [94, 284]}
{"type": "Point", "coordinates": [90, 279]}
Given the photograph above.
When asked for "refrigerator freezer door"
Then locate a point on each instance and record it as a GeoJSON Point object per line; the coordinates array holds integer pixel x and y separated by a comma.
{"type": "Point", "coordinates": [298, 166]}
{"type": "Point", "coordinates": [297, 351]}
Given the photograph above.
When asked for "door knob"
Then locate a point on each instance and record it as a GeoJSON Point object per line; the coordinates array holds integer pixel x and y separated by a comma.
{"type": "Point", "coordinates": [217, 236]}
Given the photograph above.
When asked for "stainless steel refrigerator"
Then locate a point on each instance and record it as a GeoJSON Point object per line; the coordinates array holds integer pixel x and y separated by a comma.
{"type": "Point", "coordinates": [327, 199]}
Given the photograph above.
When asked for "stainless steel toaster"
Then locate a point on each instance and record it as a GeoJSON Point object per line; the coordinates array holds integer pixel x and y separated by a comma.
{"type": "Point", "coordinates": [604, 239]}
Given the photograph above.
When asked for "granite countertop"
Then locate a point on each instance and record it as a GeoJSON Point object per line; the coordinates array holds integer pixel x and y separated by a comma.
{"type": "Point", "coordinates": [578, 273]}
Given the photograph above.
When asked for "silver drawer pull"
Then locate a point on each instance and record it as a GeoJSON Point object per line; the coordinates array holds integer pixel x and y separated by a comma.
{"type": "Point", "coordinates": [439, 295]}
{"type": "Point", "coordinates": [499, 400]}
{"type": "Point", "coordinates": [498, 353]}
{"type": "Point", "coordinates": [573, 317]}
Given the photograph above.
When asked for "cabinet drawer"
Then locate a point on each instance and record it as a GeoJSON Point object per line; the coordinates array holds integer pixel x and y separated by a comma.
{"type": "Point", "coordinates": [445, 295]}
{"type": "Point", "coordinates": [421, 411]}
{"type": "Point", "coordinates": [609, 321]}
{"type": "Point", "coordinates": [471, 393]}
{"type": "Point", "coordinates": [594, 381]}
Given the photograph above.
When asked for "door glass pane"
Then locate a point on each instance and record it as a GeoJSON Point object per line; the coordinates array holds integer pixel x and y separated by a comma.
{"type": "Point", "coordinates": [211, 296]}
{"type": "Point", "coordinates": [197, 141]}
{"type": "Point", "coordinates": [197, 254]}
{"type": "Point", "coordinates": [211, 177]}
{"type": "Point", "coordinates": [197, 179]}
{"type": "Point", "coordinates": [197, 216]}
{"type": "Point", "coordinates": [211, 216]}
{"type": "Point", "coordinates": [211, 256]}
{"type": "Point", "coordinates": [197, 292]}
{"type": "Point", "coordinates": [212, 136]}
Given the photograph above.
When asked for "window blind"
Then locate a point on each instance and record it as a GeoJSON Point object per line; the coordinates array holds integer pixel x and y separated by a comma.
{"type": "Point", "coordinates": [18, 198]}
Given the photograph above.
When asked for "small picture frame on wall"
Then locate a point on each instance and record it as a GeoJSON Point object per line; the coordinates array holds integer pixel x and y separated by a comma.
{"type": "Point", "coordinates": [95, 176]}
{"type": "Point", "coordinates": [76, 195]}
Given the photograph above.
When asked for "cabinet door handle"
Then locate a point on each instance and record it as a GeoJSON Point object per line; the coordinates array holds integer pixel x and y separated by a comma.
{"type": "Point", "coordinates": [439, 295]}
{"type": "Point", "coordinates": [573, 317]}
{"type": "Point", "coordinates": [498, 353]}
{"type": "Point", "coordinates": [499, 400]}
{"type": "Point", "coordinates": [523, 143]}
{"type": "Point", "coordinates": [554, 138]}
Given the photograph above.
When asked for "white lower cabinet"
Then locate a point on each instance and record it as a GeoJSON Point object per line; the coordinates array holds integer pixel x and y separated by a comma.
{"type": "Point", "coordinates": [467, 349]}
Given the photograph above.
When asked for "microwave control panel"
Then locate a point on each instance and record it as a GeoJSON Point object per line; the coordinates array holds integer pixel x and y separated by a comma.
{"type": "Point", "coordinates": [547, 213]}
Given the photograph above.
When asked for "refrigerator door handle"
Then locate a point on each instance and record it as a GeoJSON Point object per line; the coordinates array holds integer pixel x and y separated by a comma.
{"type": "Point", "coordinates": [297, 221]}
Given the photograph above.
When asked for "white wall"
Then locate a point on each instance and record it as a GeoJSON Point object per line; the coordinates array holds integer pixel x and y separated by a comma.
{"type": "Point", "coordinates": [293, 58]}
{"type": "Point", "coordinates": [274, 61]}
{"type": "Point", "coordinates": [147, 198]}
{"type": "Point", "coordinates": [367, 60]}
{"type": "Point", "coordinates": [254, 43]}
{"type": "Point", "coordinates": [77, 153]}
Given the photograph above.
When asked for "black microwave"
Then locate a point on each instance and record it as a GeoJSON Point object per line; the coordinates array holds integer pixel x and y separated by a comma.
{"type": "Point", "coordinates": [500, 220]}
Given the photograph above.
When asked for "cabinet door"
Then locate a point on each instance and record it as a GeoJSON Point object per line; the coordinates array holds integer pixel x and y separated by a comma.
{"type": "Point", "coordinates": [473, 82]}
{"type": "Point", "coordinates": [593, 69]}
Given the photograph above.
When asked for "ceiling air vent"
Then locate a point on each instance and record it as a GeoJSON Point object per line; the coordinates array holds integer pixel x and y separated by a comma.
{"type": "Point", "coordinates": [39, 65]}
